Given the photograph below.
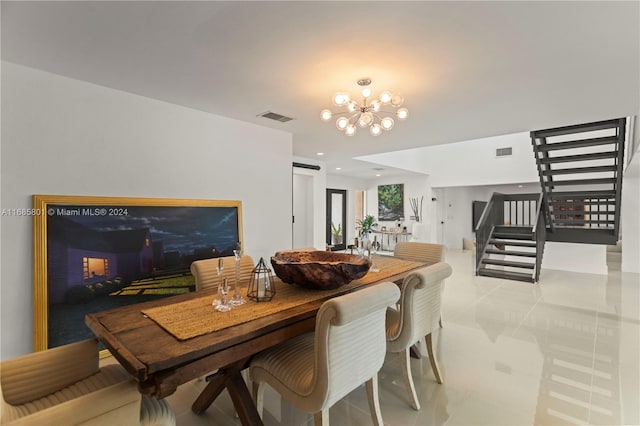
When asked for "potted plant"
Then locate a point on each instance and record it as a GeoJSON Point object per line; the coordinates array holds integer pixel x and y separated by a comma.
{"type": "Point", "coordinates": [337, 233]}
{"type": "Point", "coordinates": [366, 225]}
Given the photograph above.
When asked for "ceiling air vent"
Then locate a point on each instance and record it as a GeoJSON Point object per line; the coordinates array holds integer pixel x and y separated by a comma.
{"type": "Point", "coordinates": [503, 152]}
{"type": "Point", "coordinates": [274, 116]}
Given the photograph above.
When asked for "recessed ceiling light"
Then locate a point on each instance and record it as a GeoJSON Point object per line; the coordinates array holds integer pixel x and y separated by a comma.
{"type": "Point", "coordinates": [519, 186]}
{"type": "Point", "coordinates": [319, 153]}
{"type": "Point", "coordinates": [378, 175]}
{"type": "Point", "coordinates": [338, 168]}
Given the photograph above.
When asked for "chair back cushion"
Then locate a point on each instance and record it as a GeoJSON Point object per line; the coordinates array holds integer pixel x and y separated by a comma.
{"type": "Point", "coordinates": [420, 305]}
{"type": "Point", "coordinates": [38, 374]}
{"type": "Point", "coordinates": [206, 274]}
{"type": "Point", "coordinates": [419, 252]}
{"type": "Point", "coordinates": [350, 340]}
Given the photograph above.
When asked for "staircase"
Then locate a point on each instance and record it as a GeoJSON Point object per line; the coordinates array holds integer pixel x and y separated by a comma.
{"type": "Point", "coordinates": [580, 169]}
{"type": "Point", "coordinates": [510, 237]}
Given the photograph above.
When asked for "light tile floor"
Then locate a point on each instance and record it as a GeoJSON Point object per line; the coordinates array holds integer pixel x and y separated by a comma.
{"type": "Point", "coordinates": [565, 351]}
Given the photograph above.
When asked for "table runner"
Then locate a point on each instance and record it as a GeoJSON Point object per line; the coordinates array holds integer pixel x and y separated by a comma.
{"type": "Point", "coordinates": [195, 317]}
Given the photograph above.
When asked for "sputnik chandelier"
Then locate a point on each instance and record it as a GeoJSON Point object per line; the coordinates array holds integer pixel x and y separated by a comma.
{"type": "Point", "coordinates": [369, 113]}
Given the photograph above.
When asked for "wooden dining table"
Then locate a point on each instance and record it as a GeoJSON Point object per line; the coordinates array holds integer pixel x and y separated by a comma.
{"type": "Point", "coordinates": [171, 341]}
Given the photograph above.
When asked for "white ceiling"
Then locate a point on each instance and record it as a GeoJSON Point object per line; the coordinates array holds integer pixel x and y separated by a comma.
{"type": "Point", "coordinates": [467, 70]}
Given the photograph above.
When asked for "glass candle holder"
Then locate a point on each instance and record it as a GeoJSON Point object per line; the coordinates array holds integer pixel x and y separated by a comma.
{"type": "Point", "coordinates": [262, 285]}
{"type": "Point", "coordinates": [236, 298]}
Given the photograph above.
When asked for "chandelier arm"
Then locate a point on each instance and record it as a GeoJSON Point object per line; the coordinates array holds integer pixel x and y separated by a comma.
{"type": "Point", "coordinates": [375, 114]}
{"type": "Point", "coordinates": [355, 115]}
{"type": "Point", "coordinates": [343, 112]}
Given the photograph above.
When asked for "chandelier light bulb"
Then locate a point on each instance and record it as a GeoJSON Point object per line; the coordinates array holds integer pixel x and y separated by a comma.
{"type": "Point", "coordinates": [366, 118]}
{"type": "Point", "coordinates": [385, 97]}
{"type": "Point", "coordinates": [340, 99]}
{"type": "Point", "coordinates": [366, 92]}
{"type": "Point", "coordinates": [387, 123]}
{"type": "Point", "coordinates": [353, 106]}
{"type": "Point", "coordinates": [342, 123]}
{"type": "Point", "coordinates": [375, 105]}
{"type": "Point", "coordinates": [326, 115]}
{"type": "Point", "coordinates": [396, 100]}
{"type": "Point", "coordinates": [350, 130]}
{"type": "Point", "coordinates": [375, 130]}
{"type": "Point", "coordinates": [402, 113]}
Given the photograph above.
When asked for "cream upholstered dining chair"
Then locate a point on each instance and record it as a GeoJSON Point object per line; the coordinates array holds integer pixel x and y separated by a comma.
{"type": "Point", "coordinates": [206, 274]}
{"type": "Point", "coordinates": [315, 370]}
{"type": "Point", "coordinates": [417, 318]}
{"type": "Point", "coordinates": [420, 252]}
{"type": "Point", "coordinates": [66, 386]}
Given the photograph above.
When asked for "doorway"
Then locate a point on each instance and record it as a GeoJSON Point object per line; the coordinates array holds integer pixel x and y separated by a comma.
{"type": "Point", "coordinates": [336, 218]}
{"type": "Point", "coordinates": [302, 211]}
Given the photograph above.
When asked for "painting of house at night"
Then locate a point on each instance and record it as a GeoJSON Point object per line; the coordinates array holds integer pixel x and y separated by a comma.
{"type": "Point", "coordinates": [146, 242]}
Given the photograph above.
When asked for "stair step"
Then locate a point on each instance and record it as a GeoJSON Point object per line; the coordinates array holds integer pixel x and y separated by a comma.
{"type": "Point", "coordinates": [511, 263]}
{"type": "Point", "coordinates": [583, 143]}
{"type": "Point", "coordinates": [591, 169]}
{"type": "Point", "coordinates": [511, 252]}
{"type": "Point", "coordinates": [519, 229]}
{"type": "Point", "coordinates": [579, 128]}
{"type": "Point", "coordinates": [512, 243]}
{"type": "Point", "coordinates": [512, 236]}
{"type": "Point", "coordinates": [603, 181]}
{"type": "Point", "coordinates": [518, 276]}
{"type": "Point", "coordinates": [579, 157]}
{"type": "Point", "coordinates": [581, 195]}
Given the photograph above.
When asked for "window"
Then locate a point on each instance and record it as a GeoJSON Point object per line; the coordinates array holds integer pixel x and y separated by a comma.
{"type": "Point", "coordinates": [95, 267]}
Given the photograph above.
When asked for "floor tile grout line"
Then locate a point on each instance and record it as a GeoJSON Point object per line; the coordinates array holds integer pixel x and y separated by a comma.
{"type": "Point", "coordinates": [524, 319]}
{"type": "Point", "coordinates": [476, 301]}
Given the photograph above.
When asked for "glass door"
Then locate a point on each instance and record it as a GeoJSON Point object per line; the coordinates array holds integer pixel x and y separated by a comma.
{"type": "Point", "coordinates": [336, 218]}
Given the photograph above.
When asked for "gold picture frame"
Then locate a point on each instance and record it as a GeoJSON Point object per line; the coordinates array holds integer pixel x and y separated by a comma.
{"type": "Point", "coordinates": [121, 241]}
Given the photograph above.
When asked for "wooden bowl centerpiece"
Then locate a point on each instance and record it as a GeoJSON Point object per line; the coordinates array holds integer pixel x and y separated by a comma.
{"type": "Point", "coordinates": [320, 270]}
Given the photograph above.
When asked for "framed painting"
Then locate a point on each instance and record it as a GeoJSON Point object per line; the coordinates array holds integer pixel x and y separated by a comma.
{"type": "Point", "coordinates": [96, 253]}
{"type": "Point", "coordinates": [391, 202]}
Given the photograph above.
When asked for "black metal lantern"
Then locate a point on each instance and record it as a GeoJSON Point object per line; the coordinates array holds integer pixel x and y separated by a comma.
{"type": "Point", "coordinates": [262, 286]}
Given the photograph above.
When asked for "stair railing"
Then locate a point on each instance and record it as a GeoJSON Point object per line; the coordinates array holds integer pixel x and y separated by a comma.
{"type": "Point", "coordinates": [539, 230]}
{"type": "Point", "coordinates": [492, 215]}
{"type": "Point", "coordinates": [519, 209]}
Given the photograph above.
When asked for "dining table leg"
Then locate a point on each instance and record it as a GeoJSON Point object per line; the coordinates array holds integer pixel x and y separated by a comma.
{"type": "Point", "coordinates": [229, 377]}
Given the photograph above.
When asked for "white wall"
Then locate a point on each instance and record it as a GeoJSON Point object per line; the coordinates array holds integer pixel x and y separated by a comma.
{"type": "Point", "coordinates": [468, 163]}
{"type": "Point", "coordinates": [586, 258]}
{"type": "Point", "coordinates": [630, 215]}
{"type": "Point", "coordinates": [64, 136]}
